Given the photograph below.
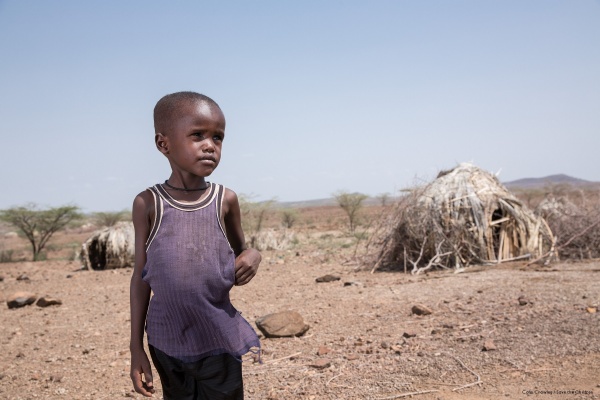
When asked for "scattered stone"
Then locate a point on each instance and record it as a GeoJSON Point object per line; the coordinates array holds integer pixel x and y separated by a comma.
{"type": "Point", "coordinates": [47, 301]}
{"type": "Point", "coordinates": [323, 350]}
{"type": "Point", "coordinates": [409, 334]}
{"type": "Point", "coordinates": [69, 276]}
{"type": "Point", "coordinates": [385, 345]}
{"type": "Point", "coordinates": [321, 363]}
{"type": "Point", "coordinates": [55, 378]}
{"type": "Point", "coordinates": [328, 278]}
{"type": "Point", "coordinates": [353, 283]}
{"type": "Point", "coordinates": [397, 349]}
{"type": "Point", "coordinates": [592, 310]}
{"type": "Point", "coordinates": [22, 277]}
{"type": "Point", "coordinates": [435, 331]}
{"type": "Point", "coordinates": [21, 299]}
{"type": "Point", "coordinates": [20, 355]}
{"type": "Point", "coordinates": [282, 324]}
{"type": "Point", "coordinates": [523, 301]}
{"type": "Point", "coordinates": [489, 345]}
{"type": "Point", "coordinates": [421, 354]}
{"type": "Point", "coordinates": [351, 357]}
{"type": "Point", "coordinates": [420, 309]}
{"type": "Point", "coordinates": [1, 278]}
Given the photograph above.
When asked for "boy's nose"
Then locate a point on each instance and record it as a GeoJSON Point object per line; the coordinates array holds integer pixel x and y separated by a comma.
{"type": "Point", "coordinates": [208, 146]}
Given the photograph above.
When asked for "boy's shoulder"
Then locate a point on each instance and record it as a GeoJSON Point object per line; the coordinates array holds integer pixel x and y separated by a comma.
{"type": "Point", "coordinates": [143, 202]}
{"type": "Point", "coordinates": [229, 193]}
{"type": "Point", "coordinates": [144, 196]}
{"type": "Point", "coordinates": [226, 191]}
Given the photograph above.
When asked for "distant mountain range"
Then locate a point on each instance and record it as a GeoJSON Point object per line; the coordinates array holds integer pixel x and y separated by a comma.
{"type": "Point", "coordinates": [525, 183]}
{"type": "Point", "coordinates": [533, 183]}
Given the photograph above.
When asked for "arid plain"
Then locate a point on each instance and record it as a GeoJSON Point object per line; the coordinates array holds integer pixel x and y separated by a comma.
{"type": "Point", "coordinates": [509, 331]}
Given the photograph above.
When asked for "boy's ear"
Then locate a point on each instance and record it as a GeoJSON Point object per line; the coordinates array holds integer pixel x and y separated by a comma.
{"type": "Point", "coordinates": [162, 143]}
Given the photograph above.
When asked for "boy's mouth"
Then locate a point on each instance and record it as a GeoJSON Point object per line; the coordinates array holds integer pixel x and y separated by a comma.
{"type": "Point", "coordinates": [208, 158]}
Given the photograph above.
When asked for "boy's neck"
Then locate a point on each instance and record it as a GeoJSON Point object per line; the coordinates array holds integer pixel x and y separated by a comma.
{"type": "Point", "coordinates": [190, 190]}
{"type": "Point", "coordinates": [185, 189]}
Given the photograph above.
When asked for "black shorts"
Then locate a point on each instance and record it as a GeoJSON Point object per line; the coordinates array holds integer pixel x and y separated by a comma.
{"type": "Point", "coordinates": [212, 378]}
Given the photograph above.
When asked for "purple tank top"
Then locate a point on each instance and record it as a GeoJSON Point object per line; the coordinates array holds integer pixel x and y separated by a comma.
{"type": "Point", "coordinates": [190, 268]}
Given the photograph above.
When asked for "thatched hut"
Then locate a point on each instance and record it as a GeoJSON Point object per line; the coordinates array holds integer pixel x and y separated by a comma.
{"type": "Point", "coordinates": [464, 217]}
{"type": "Point", "coordinates": [109, 248]}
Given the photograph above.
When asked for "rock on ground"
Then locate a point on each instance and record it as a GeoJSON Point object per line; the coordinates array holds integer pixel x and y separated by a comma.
{"type": "Point", "coordinates": [282, 324]}
{"type": "Point", "coordinates": [20, 299]}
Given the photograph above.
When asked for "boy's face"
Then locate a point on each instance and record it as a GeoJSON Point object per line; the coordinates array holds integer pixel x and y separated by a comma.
{"type": "Point", "coordinates": [194, 141]}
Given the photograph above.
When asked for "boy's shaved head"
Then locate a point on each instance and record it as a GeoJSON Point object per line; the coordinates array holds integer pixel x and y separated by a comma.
{"type": "Point", "coordinates": [173, 105]}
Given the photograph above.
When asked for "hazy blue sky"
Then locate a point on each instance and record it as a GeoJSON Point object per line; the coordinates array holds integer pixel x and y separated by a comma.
{"type": "Point", "coordinates": [319, 96]}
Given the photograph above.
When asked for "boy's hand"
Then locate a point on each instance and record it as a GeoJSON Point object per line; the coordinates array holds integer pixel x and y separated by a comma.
{"type": "Point", "coordinates": [246, 266]}
{"type": "Point", "coordinates": [140, 366]}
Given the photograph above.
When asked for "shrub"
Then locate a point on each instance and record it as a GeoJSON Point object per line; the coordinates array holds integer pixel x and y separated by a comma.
{"type": "Point", "coordinates": [351, 203]}
{"type": "Point", "coordinates": [6, 256]}
{"type": "Point", "coordinates": [288, 217]}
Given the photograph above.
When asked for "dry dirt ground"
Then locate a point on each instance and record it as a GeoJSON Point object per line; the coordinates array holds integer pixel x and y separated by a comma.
{"type": "Point", "coordinates": [548, 348]}
{"type": "Point", "coordinates": [79, 350]}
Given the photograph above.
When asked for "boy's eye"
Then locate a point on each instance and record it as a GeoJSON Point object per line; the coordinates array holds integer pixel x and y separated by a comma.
{"type": "Point", "coordinates": [217, 138]}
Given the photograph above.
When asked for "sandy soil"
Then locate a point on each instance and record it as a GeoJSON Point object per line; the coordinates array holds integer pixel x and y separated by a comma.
{"type": "Point", "coordinates": [79, 350]}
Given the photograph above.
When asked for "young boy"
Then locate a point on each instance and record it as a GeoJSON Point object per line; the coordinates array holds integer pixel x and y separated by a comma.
{"type": "Point", "coordinates": [189, 251]}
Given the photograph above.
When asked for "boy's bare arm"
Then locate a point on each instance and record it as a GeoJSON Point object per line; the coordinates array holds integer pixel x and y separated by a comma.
{"type": "Point", "coordinates": [247, 260]}
{"type": "Point", "coordinates": [141, 372]}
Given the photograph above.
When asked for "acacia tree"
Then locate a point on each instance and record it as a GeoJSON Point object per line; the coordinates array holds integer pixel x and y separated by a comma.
{"type": "Point", "coordinates": [38, 225]}
{"type": "Point", "coordinates": [351, 203]}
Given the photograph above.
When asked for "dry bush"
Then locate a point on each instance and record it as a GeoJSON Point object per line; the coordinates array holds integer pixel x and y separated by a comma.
{"type": "Point", "coordinates": [254, 217]}
{"type": "Point", "coordinates": [274, 239]}
{"type": "Point", "coordinates": [351, 203]}
{"type": "Point", "coordinates": [411, 239]}
{"type": "Point", "coordinates": [110, 218]}
{"type": "Point", "coordinates": [289, 217]}
{"type": "Point", "coordinates": [573, 214]}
